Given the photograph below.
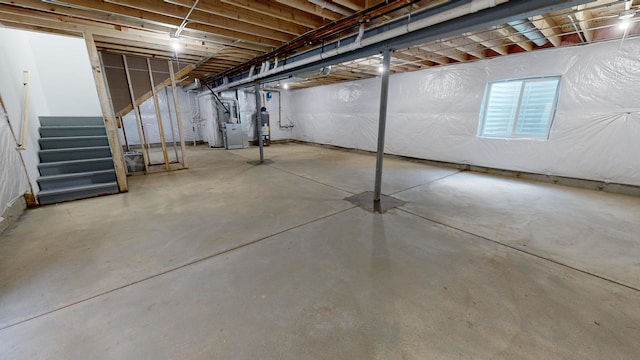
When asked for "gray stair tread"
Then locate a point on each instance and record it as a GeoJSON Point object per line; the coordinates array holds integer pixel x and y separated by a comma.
{"type": "Point", "coordinates": [72, 175]}
{"type": "Point", "coordinates": [70, 120]}
{"type": "Point", "coordinates": [78, 188]}
{"type": "Point", "coordinates": [74, 149]}
{"type": "Point", "coordinates": [72, 127]}
{"type": "Point", "coordinates": [56, 163]}
{"type": "Point", "coordinates": [64, 138]}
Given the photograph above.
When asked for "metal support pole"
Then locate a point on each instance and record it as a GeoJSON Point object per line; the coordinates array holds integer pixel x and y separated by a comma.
{"type": "Point", "coordinates": [382, 124]}
{"type": "Point", "coordinates": [259, 121]}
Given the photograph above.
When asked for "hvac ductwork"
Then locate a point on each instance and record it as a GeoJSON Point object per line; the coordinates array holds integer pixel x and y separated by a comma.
{"type": "Point", "coordinates": [193, 86]}
{"type": "Point", "coordinates": [332, 7]}
{"type": "Point", "coordinates": [528, 30]}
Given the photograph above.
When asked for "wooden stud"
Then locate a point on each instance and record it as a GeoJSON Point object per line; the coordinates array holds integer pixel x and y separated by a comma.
{"type": "Point", "coordinates": [163, 141]}
{"type": "Point", "coordinates": [173, 132]}
{"type": "Point", "coordinates": [141, 135]}
{"type": "Point", "coordinates": [178, 116]}
{"type": "Point", "coordinates": [107, 114]}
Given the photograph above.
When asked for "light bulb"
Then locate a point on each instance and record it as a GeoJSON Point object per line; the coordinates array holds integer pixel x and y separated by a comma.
{"type": "Point", "coordinates": [175, 45]}
{"type": "Point", "coordinates": [624, 24]}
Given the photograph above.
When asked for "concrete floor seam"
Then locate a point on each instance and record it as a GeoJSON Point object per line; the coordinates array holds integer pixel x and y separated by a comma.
{"type": "Point", "coordinates": [523, 251]}
{"type": "Point", "coordinates": [301, 176]}
{"type": "Point", "coordinates": [193, 262]}
{"type": "Point", "coordinates": [313, 180]}
{"type": "Point", "coordinates": [428, 182]}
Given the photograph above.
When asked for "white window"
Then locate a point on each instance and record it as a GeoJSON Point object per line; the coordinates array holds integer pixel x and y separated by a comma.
{"type": "Point", "coordinates": [521, 108]}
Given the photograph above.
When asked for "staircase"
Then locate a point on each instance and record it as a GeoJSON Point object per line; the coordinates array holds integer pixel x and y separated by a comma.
{"type": "Point", "coordinates": [75, 159]}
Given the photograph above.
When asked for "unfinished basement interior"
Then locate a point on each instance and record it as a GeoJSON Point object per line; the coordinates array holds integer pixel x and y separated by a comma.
{"type": "Point", "coordinates": [311, 179]}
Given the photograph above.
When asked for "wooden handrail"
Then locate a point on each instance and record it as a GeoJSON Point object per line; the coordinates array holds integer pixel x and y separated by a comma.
{"type": "Point", "coordinates": [25, 111]}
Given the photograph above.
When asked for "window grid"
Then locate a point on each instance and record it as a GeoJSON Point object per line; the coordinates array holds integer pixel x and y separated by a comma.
{"type": "Point", "coordinates": [536, 105]}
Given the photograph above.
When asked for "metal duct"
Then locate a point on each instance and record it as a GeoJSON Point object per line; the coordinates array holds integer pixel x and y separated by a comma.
{"type": "Point", "coordinates": [314, 74]}
{"type": "Point", "coordinates": [526, 28]}
{"type": "Point", "coordinates": [193, 86]}
{"type": "Point", "coordinates": [332, 7]}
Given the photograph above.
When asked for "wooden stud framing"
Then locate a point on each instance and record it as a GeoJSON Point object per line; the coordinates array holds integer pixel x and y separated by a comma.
{"type": "Point", "coordinates": [141, 135]}
{"type": "Point", "coordinates": [163, 140]}
{"type": "Point", "coordinates": [173, 132]}
{"type": "Point", "coordinates": [178, 116]}
{"type": "Point", "coordinates": [107, 114]}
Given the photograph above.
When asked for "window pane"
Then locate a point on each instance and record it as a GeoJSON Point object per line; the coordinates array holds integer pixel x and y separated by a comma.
{"type": "Point", "coordinates": [501, 108]}
{"type": "Point", "coordinates": [536, 108]}
{"type": "Point", "coordinates": [520, 108]}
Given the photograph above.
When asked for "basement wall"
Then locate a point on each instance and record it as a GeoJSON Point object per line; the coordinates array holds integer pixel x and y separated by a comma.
{"type": "Point", "coordinates": [168, 115]}
{"type": "Point", "coordinates": [434, 113]}
{"type": "Point", "coordinates": [62, 84]}
{"type": "Point", "coordinates": [247, 104]}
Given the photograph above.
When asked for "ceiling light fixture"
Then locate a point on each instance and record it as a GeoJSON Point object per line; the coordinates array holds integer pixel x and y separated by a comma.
{"type": "Point", "coordinates": [627, 14]}
{"type": "Point", "coordinates": [624, 24]}
{"type": "Point", "coordinates": [285, 86]}
{"type": "Point", "coordinates": [625, 18]}
{"type": "Point", "coordinates": [175, 44]}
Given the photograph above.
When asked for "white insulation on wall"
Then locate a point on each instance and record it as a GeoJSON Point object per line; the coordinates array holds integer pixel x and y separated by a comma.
{"type": "Point", "coordinates": [279, 129]}
{"type": "Point", "coordinates": [168, 115]}
{"type": "Point", "coordinates": [434, 113]}
{"type": "Point", "coordinates": [13, 180]}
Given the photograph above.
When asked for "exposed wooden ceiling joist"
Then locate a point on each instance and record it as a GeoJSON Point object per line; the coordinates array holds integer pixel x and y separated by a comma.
{"type": "Point", "coordinates": [221, 34]}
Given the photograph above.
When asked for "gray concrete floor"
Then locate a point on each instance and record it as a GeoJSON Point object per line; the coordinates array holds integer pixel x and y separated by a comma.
{"type": "Point", "coordinates": [232, 261]}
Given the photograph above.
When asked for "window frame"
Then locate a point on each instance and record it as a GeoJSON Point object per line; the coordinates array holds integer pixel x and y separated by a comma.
{"type": "Point", "coordinates": [514, 135]}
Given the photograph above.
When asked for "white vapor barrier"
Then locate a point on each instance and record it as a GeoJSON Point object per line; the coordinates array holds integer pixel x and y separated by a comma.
{"type": "Point", "coordinates": [209, 120]}
{"type": "Point", "coordinates": [168, 115]}
{"type": "Point", "coordinates": [280, 130]}
{"type": "Point", "coordinates": [434, 113]}
{"type": "Point", "coordinates": [13, 181]}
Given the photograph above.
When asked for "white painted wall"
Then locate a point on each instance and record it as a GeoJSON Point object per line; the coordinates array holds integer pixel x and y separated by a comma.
{"type": "Point", "coordinates": [61, 83]}
{"type": "Point", "coordinates": [433, 114]}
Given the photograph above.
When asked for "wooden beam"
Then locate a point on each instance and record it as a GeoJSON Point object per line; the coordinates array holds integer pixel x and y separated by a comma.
{"type": "Point", "coordinates": [548, 28]}
{"type": "Point", "coordinates": [469, 47]}
{"type": "Point", "coordinates": [61, 22]}
{"type": "Point", "coordinates": [584, 20]}
{"type": "Point", "coordinates": [440, 49]}
{"type": "Point", "coordinates": [178, 116]}
{"type": "Point", "coordinates": [351, 4]}
{"type": "Point", "coordinates": [278, 11]}
{"type": "Point", "coordinates": [311, 9]}
{"type": "Point", "coordinates": [519, 40]}
{"type": "Point", "coordinates": [217, 7]}
{"type": "Point", "coordinates": [159, 87]}
{"type": "Point", "coordinates": [486, 41]}
{"type": "Point", "coordinates": [207, 19]}
{"type": "Point", "coordinates": [169, 22]}
{"type": "Point", "coordinates": [163, 140]}
{"type": "Point", "coordinates": [166, 48]}
{"type": "Point", "coordinates": [93, 17]}
{"type": "Point", "coordinates": [141, 135]}
{"type": "Point", "coordinates": [107, 114]}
